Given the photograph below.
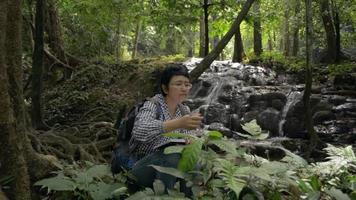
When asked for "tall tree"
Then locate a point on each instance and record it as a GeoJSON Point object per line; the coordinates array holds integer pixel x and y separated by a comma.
{"type": "Point", "coordinates": [137, 34]}
{"type": "Point", "coordinates": [206, 26]}
{"type": "Point", "coordinates": [286, 38]}
{"type": "Point", "coordinates": [238, 47]}
{"type": "Point", "coordinates": [296, 26]}
{"type": "Point", "coordinates": [206, 62]}
{"type": "Point", "coordinates": [54, 29]}
{"type": "Point", "coordinates": [37, 68]}
{"type": "Point", "coordinates": [11, 154]}
{"type": "Point", "coordinates": [201, 37]}
{"type": "Point", "coordinates": [329, 26]}
{"type": "Point", "coordinates": [308, 77]}
{"type": "Point", "coordinates": [257, 30]}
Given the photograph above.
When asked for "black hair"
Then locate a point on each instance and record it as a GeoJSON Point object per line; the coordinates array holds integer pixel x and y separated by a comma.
{"type": "Point", "coordinates": [172, 69]}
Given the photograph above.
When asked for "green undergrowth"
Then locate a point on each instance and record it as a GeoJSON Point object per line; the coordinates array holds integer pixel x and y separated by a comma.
{"type": "Point", "coordinates": [215, 167]}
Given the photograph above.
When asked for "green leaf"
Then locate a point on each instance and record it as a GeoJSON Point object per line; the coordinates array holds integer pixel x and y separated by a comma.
{"type": "Point", "coordinates": [57, 183]}
{"type": "Point", "coordinates": [215, 135]}
{"type": "Point", "coordinates": [102, 191]}
{"type": "Point", "coordinates": [252, 128]}
{"type": "Point", "coordinates": [178, 135]}
{"type": "Point", "coordinates": [293, 158]}
{"type": "Point", "coordinates": [98, 171]}
{"type": "Point", "coordinates": [226, 145]}
{"type": "Point", "coordinates": [274, 167]}
{"type": "Point", "coordinates": [305, 186]}
{"type": "Point", "coordinates": [118, 192]}
{"type": "Point", "coordinates": [337, 194]}
{"type": "Point", "coordinates": [148, 192]}
{"type": "Point", "coordinates": [262, 136]}
{"type": "Point", "coordinates": [315, 183]}
{"type": "Point", "coordinates": [314, 195]}
{"type": "Point", "coordinates": [169, 170]}
{"type": "Point", "coordinates": [190, 155]}
{"type": "Point", "coordinates": [174, 149]}
{"type": "Point", "coordinates": [236, 185]}
{"type": "Point", "coordinates": [83, 180]}
{"type": "Point", "coordinates": [158, 187]}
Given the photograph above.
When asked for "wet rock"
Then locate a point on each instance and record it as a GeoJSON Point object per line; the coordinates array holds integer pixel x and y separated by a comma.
{"type": "Point", "coordinates": [269, 120]}
{"type": "Point", "coordinates": [345, 81]}
{"type": "Point", "coordinates": [248, 116]}
{"type": "Point", "coordinates": [336, 99]}
{"type": "Point", "coordinates": [215, 113]}
{"type": "Point", "coordinates": [346, 107]}
{"type": "Point", "coordinates": [322, 116]}
{"type": "Point", "coordinates": [322, 106]}
{"type": "Point", "coordinates": [234, 123]}
{"type": "Point", "coordinates": [277, 104]}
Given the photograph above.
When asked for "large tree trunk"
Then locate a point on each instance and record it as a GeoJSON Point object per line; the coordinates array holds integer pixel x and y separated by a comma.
{"type": "Point", "coordinates": [206, 27]}
{"type": "Point", "coordinates": [338, 36]}
{"type": "Point", "coordinates": [201, 37]}
{"type": "Point", "coordinates": [286, 50]}
{"type": "Point", "coordinates": [37, 69]}
{"type": "Point", "coordinates": [296, 25]}
{"type": "Point", "coordinates": [270, 43]}
{"type": "Point", "coordinates": [238, 47]}
{"type": "Point", "coordinates": [257, 30]}
{"type": "Point", "coordinates": [11, 152]}
{"type": "Point", "coordinates": [308, 77]}
{"type": "Point", "coordinates": [215, 39]}
{"type": "Point", "coordinates": [191, 42]}
{"type": "Point", "coordinates": [137, 34]}
{"type": "Point", "coordinates": [54, 30]}
{"type": "Point", "coordinates": [330, 31]}
{"type": "Point", "coordinates": [55, 40]}
{"type": "Point", "coordinates": [205, 63]}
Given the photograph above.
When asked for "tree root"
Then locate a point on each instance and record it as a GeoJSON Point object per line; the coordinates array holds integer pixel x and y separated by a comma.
{"type": "Point", "coordinates": [88, 141]}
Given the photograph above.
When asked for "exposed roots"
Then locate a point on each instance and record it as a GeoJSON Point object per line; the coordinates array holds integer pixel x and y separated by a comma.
{"type": "Point", "coordinates": [86, 141]}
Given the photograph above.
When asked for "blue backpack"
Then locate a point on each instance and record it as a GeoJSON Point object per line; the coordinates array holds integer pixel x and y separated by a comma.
{"type": "Point", "coordinates": [122, 157]}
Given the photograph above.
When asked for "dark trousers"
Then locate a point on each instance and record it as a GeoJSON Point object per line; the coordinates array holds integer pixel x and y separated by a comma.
{"type": "Point", "coordinates": [145, 174]}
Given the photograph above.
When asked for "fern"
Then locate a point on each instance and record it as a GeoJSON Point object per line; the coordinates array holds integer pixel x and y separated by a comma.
{"type": "Point", "coordinates": [229, 173]}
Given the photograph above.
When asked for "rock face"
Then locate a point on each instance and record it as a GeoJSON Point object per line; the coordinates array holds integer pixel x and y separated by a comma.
{"type": "Point", "coordinates": [231, 94]}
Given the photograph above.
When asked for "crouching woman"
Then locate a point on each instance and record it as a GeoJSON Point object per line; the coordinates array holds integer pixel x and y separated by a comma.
{"type": "Point", "coordinates": [164, 114]}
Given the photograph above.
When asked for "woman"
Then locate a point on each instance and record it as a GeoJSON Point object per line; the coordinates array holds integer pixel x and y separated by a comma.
{"type": "Point", "coordinates": [147, 141]}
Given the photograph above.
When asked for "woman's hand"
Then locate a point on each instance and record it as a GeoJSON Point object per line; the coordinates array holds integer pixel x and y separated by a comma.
{"type": "Point", "coordinates": [191, 121]}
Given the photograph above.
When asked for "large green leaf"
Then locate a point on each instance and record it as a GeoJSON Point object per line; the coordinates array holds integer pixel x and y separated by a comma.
{"type": "Point", "coordinates": [158, 187]}
{"type": "Point", "coordinates": [98, 171]}
{"type": "Point", "coordinates": [57, 183]}
{"type": "Point", "coordinates": [252, 128]}
{"type": "Point", "coordinates": [179, 135]}
{"type": "Point", "coordinates": [170, 171]}
{"type": "Point", "coordinates": [102, 191]}
{"type": "Point", "coordinates": [226, 145]}
{"type": "Point", "coordinates": [174, 149]}
{"type": "Point", "coordinates": [190, 155]}
{"type": "Point", "coordinates": [337, 194]}
{"type": "Point", "coordinates": [215, 135]}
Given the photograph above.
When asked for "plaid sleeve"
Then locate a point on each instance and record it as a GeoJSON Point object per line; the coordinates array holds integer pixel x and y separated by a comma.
{"type": "Point", "coordinates": [146, 126]}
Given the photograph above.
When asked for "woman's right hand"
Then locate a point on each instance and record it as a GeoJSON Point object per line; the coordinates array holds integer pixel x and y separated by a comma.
{"type": "Point", "coordinates": [191, 121]}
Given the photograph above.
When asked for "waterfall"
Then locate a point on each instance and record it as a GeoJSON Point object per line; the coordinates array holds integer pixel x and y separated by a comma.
{"type": "Point", "coordinates": [292, 98]}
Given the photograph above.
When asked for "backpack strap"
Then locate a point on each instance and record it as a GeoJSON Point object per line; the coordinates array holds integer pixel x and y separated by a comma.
{"type": "Point", "coordinates": [159, 110]}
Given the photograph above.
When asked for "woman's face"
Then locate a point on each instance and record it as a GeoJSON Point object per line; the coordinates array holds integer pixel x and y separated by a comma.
{"type": "Point", "coordinates": [178, 88]}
